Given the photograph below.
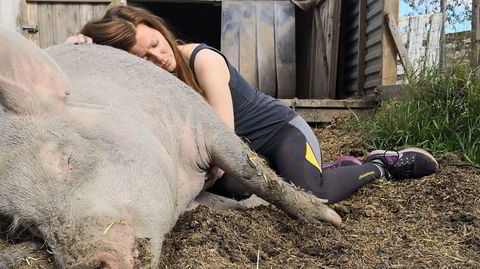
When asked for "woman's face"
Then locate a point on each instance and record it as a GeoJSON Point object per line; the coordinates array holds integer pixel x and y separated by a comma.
{"type": "Point", "coordinates": [152, 46]}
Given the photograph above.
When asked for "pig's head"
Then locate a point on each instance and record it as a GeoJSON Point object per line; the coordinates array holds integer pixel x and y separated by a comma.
{"type": "Point", "coordinates": [73, 188]}
{"type": "Point", "coordinates": [69, 181]}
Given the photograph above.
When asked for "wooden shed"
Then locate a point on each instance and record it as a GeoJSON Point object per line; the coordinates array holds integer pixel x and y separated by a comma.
{"type": "Point", "coordinates": [290, 49]}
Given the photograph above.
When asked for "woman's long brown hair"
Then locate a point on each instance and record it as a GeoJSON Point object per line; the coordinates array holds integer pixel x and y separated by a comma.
{"type": "Point", "coordinates": [117, 28]}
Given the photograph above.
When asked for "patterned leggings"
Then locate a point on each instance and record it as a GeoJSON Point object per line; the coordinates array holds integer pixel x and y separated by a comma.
{"type": "Point", "coordinates": [294, 153]}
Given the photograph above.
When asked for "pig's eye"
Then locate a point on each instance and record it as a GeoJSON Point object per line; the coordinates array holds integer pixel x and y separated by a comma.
{"type": "Point", "coordinates": [57, 159]}
{"type": "Point", "coordinates": [70, 161]}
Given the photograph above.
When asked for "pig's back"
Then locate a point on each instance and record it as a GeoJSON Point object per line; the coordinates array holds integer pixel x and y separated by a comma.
{"type": "Point", "coordinates": [135, 88]}
{"type": "Point", "coordinates": [106, 76]}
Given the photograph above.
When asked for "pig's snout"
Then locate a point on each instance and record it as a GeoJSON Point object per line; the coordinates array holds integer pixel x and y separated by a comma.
{"type": "Point", "coordinates": [100, 259]}
{"type": "Point", "coordinates": [111, 248]}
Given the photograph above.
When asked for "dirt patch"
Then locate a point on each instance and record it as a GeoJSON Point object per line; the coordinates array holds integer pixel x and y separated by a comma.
{"type": "Point", "coordinates": [144, 246]}
{"type": "Point", "coordinates": [429, 223]}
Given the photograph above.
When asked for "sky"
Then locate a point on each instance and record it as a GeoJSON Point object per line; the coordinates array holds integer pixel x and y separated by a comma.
{"type": "Point", "coordinates": [459, 27]}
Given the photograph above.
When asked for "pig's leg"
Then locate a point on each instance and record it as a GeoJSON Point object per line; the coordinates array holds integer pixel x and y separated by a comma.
{"type": "Point", "coordinates": [222, 203]}
{"type": "Point", "coordinates": [237, 160]}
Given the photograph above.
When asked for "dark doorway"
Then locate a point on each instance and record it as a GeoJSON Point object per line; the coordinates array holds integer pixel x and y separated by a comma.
{"type": "Point", "coordinates": [191, 22]}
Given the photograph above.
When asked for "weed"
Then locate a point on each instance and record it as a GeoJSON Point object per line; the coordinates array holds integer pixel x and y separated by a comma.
{"type": "Point", "coordinates": [441, 113]}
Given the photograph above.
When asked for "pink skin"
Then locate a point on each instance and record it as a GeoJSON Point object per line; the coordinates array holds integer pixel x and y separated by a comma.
{"type": "Point", "coordinates": [121, 237]}
{"type": "Point", "coordinates": [152, 46]}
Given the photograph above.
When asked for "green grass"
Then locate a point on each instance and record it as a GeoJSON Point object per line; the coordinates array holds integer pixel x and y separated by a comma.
{"type": "Point", "coordinates": [441, 113]}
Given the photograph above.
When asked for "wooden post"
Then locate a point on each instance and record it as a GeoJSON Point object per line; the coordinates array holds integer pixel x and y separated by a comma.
{"type": "Point", "coordinates": [399, 46]}
{"type": "Point", "coordinates": [474, 62]}
{"type": "Point", "coordinates": [442, 36]}
{"type": "Point", "coordinates": [389, 66]}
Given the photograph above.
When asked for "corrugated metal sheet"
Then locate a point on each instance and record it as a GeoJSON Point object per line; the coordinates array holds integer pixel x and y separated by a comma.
{"type": "Point", "coordinates": [373, 44]}
{"type": "Point", "coordinates": [362, 27]}
{"type": "Point", "coordinates": [350, 50]}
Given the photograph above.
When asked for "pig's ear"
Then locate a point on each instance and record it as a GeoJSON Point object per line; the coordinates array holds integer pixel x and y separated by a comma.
{"type": "Point", "coordinates": [20, 100]}
{"type": "Point", "coordinates": [30, 81]}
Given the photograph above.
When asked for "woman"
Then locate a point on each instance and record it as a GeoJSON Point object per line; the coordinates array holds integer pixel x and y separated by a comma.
{"type": "Point", "coordinates": [270, 128]}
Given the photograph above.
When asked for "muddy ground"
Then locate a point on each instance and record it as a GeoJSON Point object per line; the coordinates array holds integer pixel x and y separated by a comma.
{"type": "Point", "coordinates": [429, 223]}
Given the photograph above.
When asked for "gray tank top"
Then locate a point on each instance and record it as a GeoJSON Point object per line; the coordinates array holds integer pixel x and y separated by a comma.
{"type": "Point", "coordinates": [257, 116]}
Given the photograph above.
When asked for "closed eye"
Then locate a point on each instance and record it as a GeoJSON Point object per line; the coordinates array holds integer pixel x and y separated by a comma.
{"type": "Point", "coordinates": [70, 161]}
{"type": "Point", "coordinates": [154, 43]}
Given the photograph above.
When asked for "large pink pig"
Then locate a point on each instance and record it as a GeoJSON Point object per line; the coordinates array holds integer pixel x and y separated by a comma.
{"type": "Point", "coordinates": [101, 151]}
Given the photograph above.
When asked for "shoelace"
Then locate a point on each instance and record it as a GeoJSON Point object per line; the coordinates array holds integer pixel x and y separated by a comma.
{"type": "Point", "coordinates": [388, 166]}
{"type": "Point", "coordinates": [401, 171]}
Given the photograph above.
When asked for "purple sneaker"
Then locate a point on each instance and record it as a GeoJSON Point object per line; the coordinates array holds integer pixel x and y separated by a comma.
{"type": "Point", "coordinates": [341, 161]}
{"type": "Point", "coordinates": [407, 163]}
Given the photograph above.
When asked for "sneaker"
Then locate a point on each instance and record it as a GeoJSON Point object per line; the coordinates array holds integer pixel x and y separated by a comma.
{"type": "Point", "coordinates": [407, 163]}
{"type": "Point", "coordinates": [341, 161]}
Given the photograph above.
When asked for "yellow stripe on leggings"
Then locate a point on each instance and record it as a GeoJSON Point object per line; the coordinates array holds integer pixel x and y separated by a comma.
{"type": "Point", "coordinates": [310, 157]}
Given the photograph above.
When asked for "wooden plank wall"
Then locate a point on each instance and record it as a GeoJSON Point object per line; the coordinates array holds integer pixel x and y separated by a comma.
{"type": "Point", "coordinates": [55, 21]}
{"type": "Point", "coordinates": [258, 38]}
{"type": "Point", "coordinates": [331, 24]}
{"type": "Point", "coordinates": [267, 81]}
{"type": "Point", "coordinates": [29, 19]}
{"type": "Point", "coordinates": [421, 36]}
{"type": "Point", "coordinates": [9, 14]}
{"type": "Point", "coordinates": [318, 49]}
{"type": "Point", "coordinates": [415, 46]}
{"type": "Point", "coordinates": [433, 49]}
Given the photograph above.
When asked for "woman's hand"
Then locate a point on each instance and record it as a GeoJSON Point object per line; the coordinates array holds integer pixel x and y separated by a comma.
{"type": "Point", "coordinates": [78, 39]}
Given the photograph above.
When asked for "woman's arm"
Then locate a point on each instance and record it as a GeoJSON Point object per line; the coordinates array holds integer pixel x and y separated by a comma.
{"type": "Point", "coordinates": [213, 77]}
